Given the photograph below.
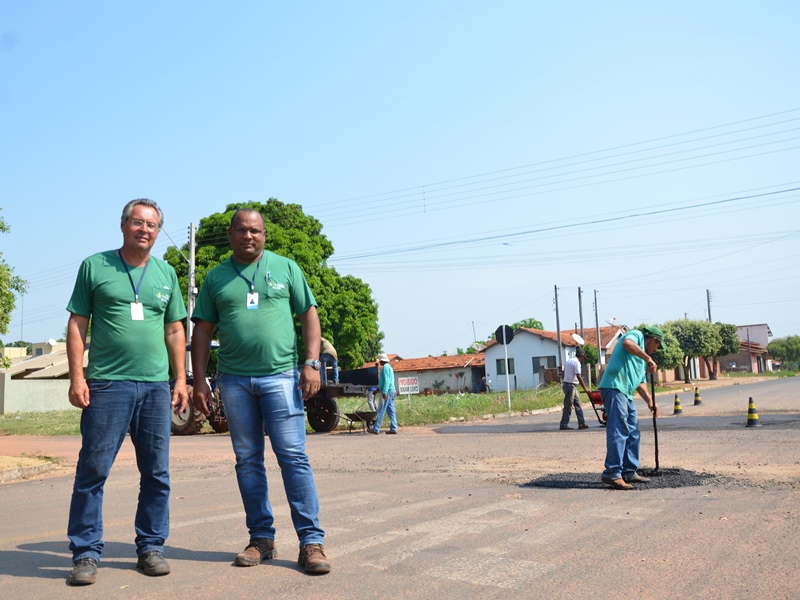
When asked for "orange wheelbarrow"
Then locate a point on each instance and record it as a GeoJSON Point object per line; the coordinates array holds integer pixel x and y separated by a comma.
{"type": "Point", "coordinates": [594, 398]}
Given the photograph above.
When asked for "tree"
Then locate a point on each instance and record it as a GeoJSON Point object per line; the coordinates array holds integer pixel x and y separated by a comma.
{"type": "Point", "coordinates": [729, 344]}
{"type": "Point", "coordinates": [10, 285]}
{"type": "Point", "coordinates": [529, 323]}
{"type": "Point", "coordinates": [695, 338]}
{"type": "Point", "coordinates": [786, 349]}
{"type": "Point", "coordinates": [347, 312]}
{"type": "Point", "coordinates": [670, 356]}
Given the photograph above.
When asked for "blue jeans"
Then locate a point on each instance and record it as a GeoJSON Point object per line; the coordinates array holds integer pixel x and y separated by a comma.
{"type": "Point", "coordinates": [273, 404]}
{"type": "Point", "coordinates": [387, 406]}
{"type": "Point", "coordinates": [327, 359]}
{"type": "Point", "coordinates": [622, 434]}
{"type": "Point", "coordinates": [114, 406]}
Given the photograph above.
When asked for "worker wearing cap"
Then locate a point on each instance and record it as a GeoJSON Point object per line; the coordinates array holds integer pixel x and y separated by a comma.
{"type": "Point", "coordinates": [572, 377]}
{"type": "Point", "coordinates": [625, 373]}
{"type": "Point", "coordinates": [388, 393]}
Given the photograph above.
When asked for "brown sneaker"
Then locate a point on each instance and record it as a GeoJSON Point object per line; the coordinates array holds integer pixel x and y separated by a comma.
{"type": "Point", "coordinates": [259, 549]}
{"type": "Point", "coordinates": [312, 559]}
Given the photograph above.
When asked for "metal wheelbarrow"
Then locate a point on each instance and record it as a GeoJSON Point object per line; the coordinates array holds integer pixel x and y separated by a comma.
{"type": "Point", "coordinates": [594, 398]}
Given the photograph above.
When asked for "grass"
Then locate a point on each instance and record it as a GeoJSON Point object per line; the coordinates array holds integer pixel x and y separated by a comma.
{"type": "Point", "coordinates": [748, 375]}
{"type": "Point", "coordinates": [58, 422]}
{"type": "Point", "coordinates": [425, 410]}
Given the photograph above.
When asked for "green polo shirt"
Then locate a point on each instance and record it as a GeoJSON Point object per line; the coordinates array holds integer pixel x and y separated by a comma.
{"type": "Point", "coordinates": [122, 349]}
{"type": "Point", "coordinates": [255, 339]}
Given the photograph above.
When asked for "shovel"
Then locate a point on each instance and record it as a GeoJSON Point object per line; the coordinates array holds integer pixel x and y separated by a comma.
{"type": "Point", "coordinates": [655, 426]}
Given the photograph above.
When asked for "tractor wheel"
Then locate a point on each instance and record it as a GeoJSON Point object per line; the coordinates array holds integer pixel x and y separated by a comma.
{"type": "Point", "coordinates": [189, 421]}
{"type": "Point", "coordinates": [323, 414]}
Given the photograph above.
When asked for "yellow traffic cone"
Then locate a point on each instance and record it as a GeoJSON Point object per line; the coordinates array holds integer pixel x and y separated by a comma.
{"type": "Point", "coordinates": [697, 400]}
{"type": "Point", "coordinates": [752, 415]}
{"type": "Point", "coordinates": [678, 410]}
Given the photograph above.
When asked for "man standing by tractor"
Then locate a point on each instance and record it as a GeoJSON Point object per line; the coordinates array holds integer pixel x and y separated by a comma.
{"type": "Point", "coordinates": [625, 373]}
{"type": "Point", "coordinates": [136, 309]}
{"type": "Point", "coordinates": [572, 377]}
{"type": "Point", "coordinates": [251, 298]}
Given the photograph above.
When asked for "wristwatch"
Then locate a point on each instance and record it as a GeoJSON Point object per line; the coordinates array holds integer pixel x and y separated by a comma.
{"type": "Point", "coordinates": [314, 364]}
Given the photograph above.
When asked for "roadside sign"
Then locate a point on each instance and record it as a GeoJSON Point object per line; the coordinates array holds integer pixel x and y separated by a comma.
{"type": "Point", "coordinates": [504, 334]}
{"type": "Point", "coordinates": [408, 385]}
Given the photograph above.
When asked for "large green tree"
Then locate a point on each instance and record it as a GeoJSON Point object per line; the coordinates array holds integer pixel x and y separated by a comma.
{"type": "Point", "coordinates": [10, 285]}
{"type": "Point", "coordinates": [347, 312]}
{"type": "Point", "coordinates": [729, 344]}
{"type": "Point", "coordinates": [786, 350]}
{"type": "Point", "coordinates": [696, 339]}
{"type": "Point", "coordinates": [529, 323]}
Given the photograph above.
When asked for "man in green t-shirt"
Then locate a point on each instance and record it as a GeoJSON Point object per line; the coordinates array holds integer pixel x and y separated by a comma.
{"type": "Point", "coordinates": [251, 299]}
{"type": "Point", "coordinates": [136, 309]}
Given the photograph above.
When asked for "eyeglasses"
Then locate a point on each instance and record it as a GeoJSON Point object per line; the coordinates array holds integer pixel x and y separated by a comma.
{"type": "Point", "coordinates": [252, 231]}
{"type": "Point", "coordinates": [138, 224]}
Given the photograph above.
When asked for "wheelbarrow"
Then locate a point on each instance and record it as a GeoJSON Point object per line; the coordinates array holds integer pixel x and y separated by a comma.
{"type": "Point", "coordinates": [597, 401]}
{"type": "Point", "coordinates": [365, 417]}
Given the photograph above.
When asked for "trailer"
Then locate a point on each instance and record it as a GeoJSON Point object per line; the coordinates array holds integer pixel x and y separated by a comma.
{"type": "Point", "coordinates": [322, 410]}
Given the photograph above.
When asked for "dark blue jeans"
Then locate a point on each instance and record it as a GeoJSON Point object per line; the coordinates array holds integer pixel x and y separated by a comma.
{"type": "Point", "coordinates": [115, 406]}
{"type": "Point", "coordinates": [272, 403]}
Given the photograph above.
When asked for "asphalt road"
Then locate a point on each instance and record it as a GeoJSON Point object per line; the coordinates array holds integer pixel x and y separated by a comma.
{"type": "Point", "coordinates": [502, 508]}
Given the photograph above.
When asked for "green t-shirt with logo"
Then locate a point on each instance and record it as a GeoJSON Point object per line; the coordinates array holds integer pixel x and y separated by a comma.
{"type": "Point", "coordinates": [256, 338]}
{"type": "Point", "coordinates": [121, 348]}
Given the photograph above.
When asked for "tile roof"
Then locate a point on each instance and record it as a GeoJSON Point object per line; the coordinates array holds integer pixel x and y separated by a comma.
{"type": "Point", "coordinates": [431, 363]}
{"type": "Point", "coordinates": [590, 334]}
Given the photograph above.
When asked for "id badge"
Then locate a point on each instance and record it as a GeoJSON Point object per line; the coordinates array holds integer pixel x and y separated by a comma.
{"type": "Point", "coordinates": [137, 311]}
{"type": "Point", "coordinates": [252, 301]}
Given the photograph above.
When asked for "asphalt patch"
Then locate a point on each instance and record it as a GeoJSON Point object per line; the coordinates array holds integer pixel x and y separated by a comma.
{"type": "Point", "coordinates": [663, 478]}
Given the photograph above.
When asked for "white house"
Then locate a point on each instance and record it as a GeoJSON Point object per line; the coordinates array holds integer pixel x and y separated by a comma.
{"type": "Point", "coordinates": [530, 352]}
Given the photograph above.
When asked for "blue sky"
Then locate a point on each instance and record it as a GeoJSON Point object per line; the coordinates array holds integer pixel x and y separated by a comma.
{"type": "Point", "coordinates": [464, 157]}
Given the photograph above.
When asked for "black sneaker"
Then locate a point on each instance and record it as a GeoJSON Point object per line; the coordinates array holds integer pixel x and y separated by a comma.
{"type": "Point", "coordinates": [84, 572]}
{"type": "Point", "coordinates": [565, 427]}
{"type": "Point", "coordinates": [153, 563]}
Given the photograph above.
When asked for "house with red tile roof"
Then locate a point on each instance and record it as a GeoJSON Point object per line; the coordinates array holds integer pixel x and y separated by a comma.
{"type": "Point", "coordinates": [440, 374]}
{"type": "Point", "coordinates": [533, 355]}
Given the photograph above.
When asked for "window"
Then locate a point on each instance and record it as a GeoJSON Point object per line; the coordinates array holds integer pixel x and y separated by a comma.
{"type": "Point", "coordinates": [548, 362]}
{"type": "Point", "coordinates": [501, 366]}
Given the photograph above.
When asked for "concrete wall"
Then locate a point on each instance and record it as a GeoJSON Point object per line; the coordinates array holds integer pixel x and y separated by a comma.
{"type": "Point", "coordinates": [456, 380]}
{"type": "Point", "coordinates": [39, 395]}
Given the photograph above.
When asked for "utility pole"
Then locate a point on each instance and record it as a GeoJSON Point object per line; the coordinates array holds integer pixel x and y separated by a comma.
{"type": "Point", "coordinates": [558, 332]}
{"type": "Point", "coordinates": [600, 358]}
{"type": "Point", "coordinates": [708, 301]}
{"type": "Point", "coordinates": [580, 308]}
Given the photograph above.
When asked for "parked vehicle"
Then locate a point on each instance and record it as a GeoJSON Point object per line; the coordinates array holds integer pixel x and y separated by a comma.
{"type": "Point", "coordinates": [322, 410]}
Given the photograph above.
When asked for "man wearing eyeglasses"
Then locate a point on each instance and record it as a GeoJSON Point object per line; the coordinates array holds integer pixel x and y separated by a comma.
{"type": "Point", "coordinates": [251, 299]}
{"type": "Point", "coordinates": [136, 309]}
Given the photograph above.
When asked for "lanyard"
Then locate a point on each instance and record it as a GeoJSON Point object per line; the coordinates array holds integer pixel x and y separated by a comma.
{"type": "Point", "coordinates": [252, 282]}
{"type": "Point", "coordinates": [141, 277]}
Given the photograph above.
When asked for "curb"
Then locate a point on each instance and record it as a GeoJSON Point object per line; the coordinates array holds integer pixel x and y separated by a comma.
{"type": "Point", "coordinates": [25, 472]}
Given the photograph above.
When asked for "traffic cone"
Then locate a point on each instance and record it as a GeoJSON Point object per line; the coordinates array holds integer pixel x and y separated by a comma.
{"type": "Point", "coordinates": [697, 400]}
{"type": "Point", "coordinates": [752, 415]}
{"type": "Point", "coordinates": [678, 410]}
